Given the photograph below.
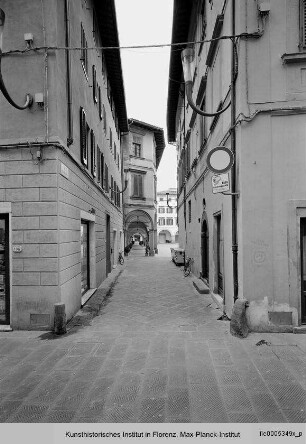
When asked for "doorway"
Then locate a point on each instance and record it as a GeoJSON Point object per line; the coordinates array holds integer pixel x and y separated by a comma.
{"type": "Point", "coordinates": [85, 272]}
{"type": "Point", "coordinates": [303, 269]}
{"type": "Point", "coordinates": [205, 250]}
{"type": "Point", "coordinates": [4, 270]}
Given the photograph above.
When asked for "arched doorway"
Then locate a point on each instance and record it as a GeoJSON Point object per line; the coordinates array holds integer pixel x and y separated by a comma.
{"type": "Point", "coordinates": [164, 237]}
{"type": "Point", "coordinates": [205, 250]}
{"type": "Point", "coordinates": [139, 227]}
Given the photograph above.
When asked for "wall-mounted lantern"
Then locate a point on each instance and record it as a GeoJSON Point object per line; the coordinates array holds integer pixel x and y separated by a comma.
{"type": "Point", "coordinates": [29, 98]}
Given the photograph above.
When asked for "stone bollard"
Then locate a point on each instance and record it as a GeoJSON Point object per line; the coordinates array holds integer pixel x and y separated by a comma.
{"type": "Point", "coordinates": [59, 319]}
{"type": "Point", "coordinates": [238, 325]}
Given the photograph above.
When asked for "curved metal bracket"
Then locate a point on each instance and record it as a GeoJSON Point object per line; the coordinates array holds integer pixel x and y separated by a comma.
{"type": "Point", "coordinates": [125, 186]}
{"type": "Point", "coordinates": [169, 206]}
{"type": "Point", "coordinates": [188, 87]}
{"type": "Point", "coordinates": [29, 98]}
{"type": "Point", "coordinates": [187, 57]}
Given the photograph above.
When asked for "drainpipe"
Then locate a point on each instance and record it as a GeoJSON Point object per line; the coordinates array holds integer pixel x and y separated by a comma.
{"type": "Point", "coordinates": [233, 147]}
{"type": "Point", "coordinates": [68, 77]}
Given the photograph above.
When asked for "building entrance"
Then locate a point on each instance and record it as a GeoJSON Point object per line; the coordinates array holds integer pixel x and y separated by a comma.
{"type": "Point", "coordinates": [303, 270]}
{"type": "Point", "coordinates": [4, 270]}
{"type": "Point", "coordinates": [84, 256]}
{"type": "Point", "coordinates": [205, 250]}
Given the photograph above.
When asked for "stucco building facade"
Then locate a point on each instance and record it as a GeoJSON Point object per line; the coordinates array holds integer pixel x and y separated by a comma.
{"type": "Point", "coordinates": [61, 164]}
{"type": "Point", "coordinates": [143, 148]}
{"type": "Point", "coordinates": [167, 229]}
{"type": "Point", "coordinates": [248, 243]}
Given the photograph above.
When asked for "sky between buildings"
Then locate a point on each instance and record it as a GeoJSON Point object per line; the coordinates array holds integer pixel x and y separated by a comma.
{"type": "Point", "coordinates": [146, 71]}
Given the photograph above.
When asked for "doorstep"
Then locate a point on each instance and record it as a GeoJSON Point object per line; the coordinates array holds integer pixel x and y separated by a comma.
{"type": "Point", "coordinates": [200, 286]}
{"type": "Point", "coordinates": [5, 328]}
{"type": "Point", "coordinates": [299, 330]}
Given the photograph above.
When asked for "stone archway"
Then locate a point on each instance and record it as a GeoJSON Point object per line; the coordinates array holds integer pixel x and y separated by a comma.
{"type": "Point", "coordinates": [164, 237]}
{"type": "Point", "coordinates": [138, 223]}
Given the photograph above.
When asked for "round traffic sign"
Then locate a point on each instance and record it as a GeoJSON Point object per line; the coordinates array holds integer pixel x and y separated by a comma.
{"type": "Point", "coordinates": [220, 159]}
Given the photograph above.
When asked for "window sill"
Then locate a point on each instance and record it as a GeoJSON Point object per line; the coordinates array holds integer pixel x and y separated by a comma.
{"type": "Point", "coordinates": [138, 198]}
{"type": "Point", "coordinates": [296, 57]}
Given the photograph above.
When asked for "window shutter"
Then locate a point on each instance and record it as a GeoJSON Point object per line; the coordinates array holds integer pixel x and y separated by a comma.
{"type": "Point", "coordinates": [102, 171]}
{"type": "Point", "coordinates": [140, 185]}
{"type": "Point", "coordinates": [83, 136]}
{"type": "Point", "coordinates": [93, 154]}
{"type": "Point", "coordinates": [98, 164]}
{"type": "Point", "coordinates": [94, 84]}
{"type": "Point", "coordinates": [106, 179]}
{"type": "Point", "coordinates": [110, 139]}
{"type": "Point", "coordinates": [303, 22]}
{"type": "Point", "coordinates": [100, 103]}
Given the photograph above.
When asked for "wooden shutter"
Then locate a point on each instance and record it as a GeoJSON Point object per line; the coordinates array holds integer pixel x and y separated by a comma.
{"type": "Point", "coordinates": [106, 187]}
{"type": "Point", "coordinates": [93, 154]}
{"type": "Point", "coordinates": [98, 164]}
{"type": "Point", "coordinates": [102, 171]}
{"type": "Point", "coordinates": [100, 103]}
{"type": "Point", "coordinates": [94, 84]}
{"type": "Point", "coordinates": [110, 138]}
{"type": "Point", "coordinates": [83, 137]}
{"type": "Point", "coordinates": [112, 188]}
{"type": "Point", "coordinates": [303, 22]}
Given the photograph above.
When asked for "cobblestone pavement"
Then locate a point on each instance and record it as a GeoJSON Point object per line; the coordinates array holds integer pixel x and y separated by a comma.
{"type": "Point", "coordinates": [153, 351]}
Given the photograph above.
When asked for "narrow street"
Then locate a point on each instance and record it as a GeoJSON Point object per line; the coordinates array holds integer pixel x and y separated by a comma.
{"type": "Point", "coordinates": [154, 353]}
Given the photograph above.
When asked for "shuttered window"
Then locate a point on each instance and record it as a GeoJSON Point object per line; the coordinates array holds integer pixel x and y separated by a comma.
{"type": "Point", "coordinates": [303, 24]}
{"type": "Point", "coordinates": [137, 185]}
{"type": "Point", "coordinates": [115, 152]}
{"type": "Point", "coordinates": [106, 183]}
{"type": "Point", "coordinates": [110, 139]}
{"type": "Point", "coordinates": [98, 164]}
{"type": "Point", "coordinates": [93, 153]}
{"type": "Point", "coordinates": [84, 53]}
{"type": "Point", "coordinates": [94, 84]}
{"type": "Point", "coordinates": [102, 171]}
{"type": "Point", "coordinates": [104, 120]}
{"type": "Point", "coordinates": [100, 103]}
{"type": "Point", "coordinates": [112, 188]}
{"type": "Point", "coordinates": [84, 130]}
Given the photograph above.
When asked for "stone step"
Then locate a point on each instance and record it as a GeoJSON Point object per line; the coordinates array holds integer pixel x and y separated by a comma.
{"type": "Point", "coordinates": [300, 330]}
{"type": "Point", "coordinates": [200, 286]}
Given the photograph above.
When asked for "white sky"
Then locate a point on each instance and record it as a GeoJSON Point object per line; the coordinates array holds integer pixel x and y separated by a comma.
{"type": "Point", "coordinates": [146, 71]}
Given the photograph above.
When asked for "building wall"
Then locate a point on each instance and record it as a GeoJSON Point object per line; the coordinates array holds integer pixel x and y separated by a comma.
{"type": "Point", "coordinates": [145, 164]}
{"type": "Point", "coordinates": [270, 164]}
{"type": "Point", "coordinates": [170, 231]}
{"type": "Point", "coordinates": [49, 196]}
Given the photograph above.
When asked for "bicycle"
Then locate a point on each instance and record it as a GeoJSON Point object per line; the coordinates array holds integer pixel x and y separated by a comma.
{"type": "Point", "coordinates": [187, 266]}
{"type": "Point", "coordinates": [120, 258]}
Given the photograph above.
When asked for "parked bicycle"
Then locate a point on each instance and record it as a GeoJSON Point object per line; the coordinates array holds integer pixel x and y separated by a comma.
{"type": "Point", "coordinates": [120, 258]}
{"type": "Point", "coordinates": [187, 266]}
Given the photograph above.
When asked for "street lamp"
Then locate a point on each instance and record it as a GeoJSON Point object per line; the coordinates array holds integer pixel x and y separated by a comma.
{"type": "Point", "coordinates": [187, 57]}
{"type": "Point", "coordinates": [29, 98]}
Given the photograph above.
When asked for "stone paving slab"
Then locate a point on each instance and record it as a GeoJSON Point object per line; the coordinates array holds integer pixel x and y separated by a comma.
{"type": "Point", "coordinates": [147, 347]}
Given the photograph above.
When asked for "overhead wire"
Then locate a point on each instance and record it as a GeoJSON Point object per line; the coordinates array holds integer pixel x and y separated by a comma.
{"type": "Point", "coordinates": [103, 48]}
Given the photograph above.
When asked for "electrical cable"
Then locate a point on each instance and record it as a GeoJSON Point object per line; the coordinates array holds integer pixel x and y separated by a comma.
{"type": "Point", "coordinates": [256, 34]}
